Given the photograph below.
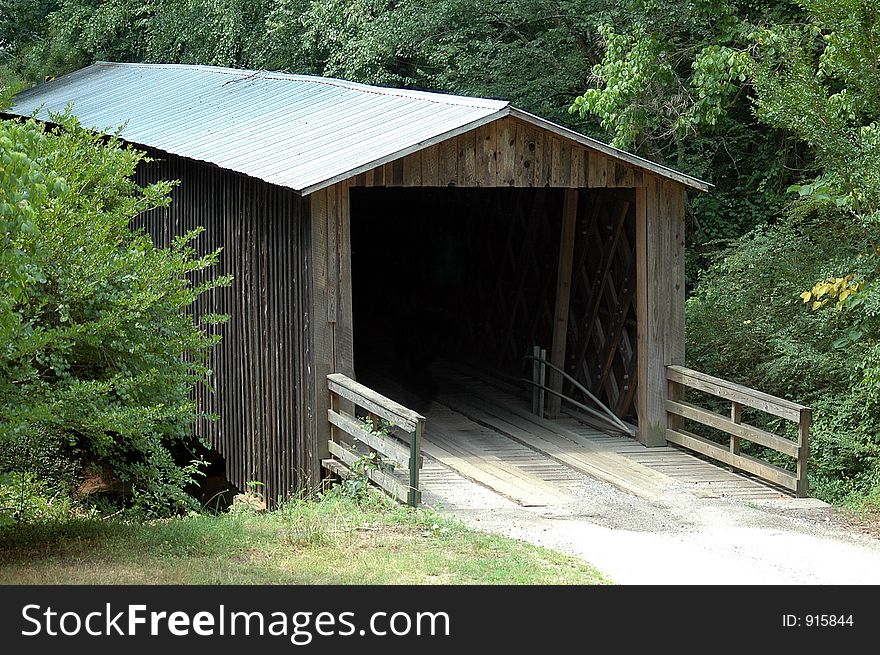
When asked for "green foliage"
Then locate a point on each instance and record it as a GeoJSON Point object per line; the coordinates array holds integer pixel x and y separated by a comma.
{"type": "Point", "coordinates": [746, 322]}
{"type": "Point", "coordinates": [358, 487]}
{"type": "Point", "coordinates": [25, 498]}
{"type": "Point", "coordinates": [821, 81]}
{"type": "Point", "coordinates": [99, 356]}
{"type": "Point", "coordinates": [673, 84]}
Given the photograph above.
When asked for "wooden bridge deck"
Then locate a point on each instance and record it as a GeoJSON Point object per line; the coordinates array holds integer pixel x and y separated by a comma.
{"type": "Point", "coordinates": [487, 434]}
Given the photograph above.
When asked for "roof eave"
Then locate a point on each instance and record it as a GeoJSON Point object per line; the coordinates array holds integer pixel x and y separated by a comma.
{"type": "Point", "coordinates": [611, 151]}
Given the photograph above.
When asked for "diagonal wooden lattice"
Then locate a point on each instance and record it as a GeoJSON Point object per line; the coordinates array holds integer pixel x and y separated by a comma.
{"type": "Point", "coordinates": [510, 305]}
{"type": "Point", "coordinates": [601, 346]}
{"type": "Point", "coordinates": [518, 296]}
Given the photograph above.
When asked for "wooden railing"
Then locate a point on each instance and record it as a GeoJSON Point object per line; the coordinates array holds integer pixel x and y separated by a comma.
{"type": "Point", "coordinates": [401, 459]}
{"type": "Point", "coordinates": [739, 397]}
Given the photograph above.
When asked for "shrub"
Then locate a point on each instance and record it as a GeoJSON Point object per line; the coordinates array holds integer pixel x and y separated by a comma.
{"type": "Point", "coordinates": [747, 322]}
{"type": "Point", "coordinates": [99, 350]}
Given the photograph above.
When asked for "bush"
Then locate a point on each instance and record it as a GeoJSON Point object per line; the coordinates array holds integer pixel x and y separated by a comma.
{"type": "Point", "coordinates": [24, 498]}
{"type": "Point", "coordinates": [100, 354]}
{"type": "Point", "coordinates": [747, 323]}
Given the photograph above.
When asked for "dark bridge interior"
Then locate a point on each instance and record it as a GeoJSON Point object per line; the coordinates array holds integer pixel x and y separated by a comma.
{"type": "Point", "coordinates": [469, 275]}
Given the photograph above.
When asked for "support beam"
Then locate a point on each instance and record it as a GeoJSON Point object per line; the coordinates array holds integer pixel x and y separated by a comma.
{"type": "Point", "coordinates": [563, 293]}
{"type": "Point", "coordinates": [332, 335]}
{"type": "Point", "coordinates": [321, 333]}
{"type": "Point", "coordinates": [660, 210]}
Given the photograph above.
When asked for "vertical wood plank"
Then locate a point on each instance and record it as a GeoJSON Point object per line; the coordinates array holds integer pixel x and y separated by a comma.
{"type": "Point", "coordinates": [555, 147]}
{"type": "Point", "coordinates": [598, 171]}
{"type": "Point", "coordinates": [662, 320]}
{"type": "Point", "coordinates": [576, 178]}
{"type": "Point", "coordinates": [376, 176]}
{"type": "Point", "coordinates": [467, 161]}
{"type": "Point", "coordinates": [415, 449]}
{"type": "Point", "coordinates": [344, 329]}
{"type": "Point", "coordinates": [448, 163]}
{"type": "Point", "coordinates": [487, 144]}
{"type": "Point", "coordinates": [657, 315]}
{"type": "Point", "coordinates": [412, 169]}
{"type": "Point", "coordinates": [309, 323]}
{"type": "Point", "coordinates": [431, 166]}
{"type": "Point", "coordinates": [396, 178]}
{"type": "Point", "coordinates": [332, 253]}
{"type": "Point", "coordinates": [524, 174]}
{"type": "Point", "coordinates": [565, 163]}
{"type": "Point", "coordinates": [676, 200]}
{"type": "Point", "coordinates": [506, 153]}
{"type": "Point", "coordinates": [563, 291]}
{"type": "Point", "coordinates": [623, 176]}
{"type": "Point", "coordinates": [541, 173]}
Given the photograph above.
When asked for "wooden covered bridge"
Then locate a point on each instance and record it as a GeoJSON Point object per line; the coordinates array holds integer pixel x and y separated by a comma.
{"type": "Point", "coordinates": [421, 244]}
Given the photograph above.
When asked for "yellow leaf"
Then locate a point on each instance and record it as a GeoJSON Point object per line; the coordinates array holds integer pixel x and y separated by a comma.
{"type": "Point", "coordinates": [846, 293]}
{"type": "Point", "coordinates": [817, 304]}
{"type": "Point", "coordinates": [806, 295]}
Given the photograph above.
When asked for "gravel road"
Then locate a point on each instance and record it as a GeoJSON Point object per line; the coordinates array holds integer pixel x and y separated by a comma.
{"type": "Point", "coordinates": [679, 538]}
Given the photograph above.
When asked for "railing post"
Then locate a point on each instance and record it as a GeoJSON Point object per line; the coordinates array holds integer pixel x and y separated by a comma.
{"type": "Point", "coordinates": [415, 449]}
{"type": "Point", "coordinates": [674, 391]}
{"type": "Point", "coordinates": [803, 484]}
{"type": "Point", "coordinates": [536, 378]}
{"type": "Point", "coordinates": [736, 412]}
{"type": "Point", "coordinates": [543, 373]}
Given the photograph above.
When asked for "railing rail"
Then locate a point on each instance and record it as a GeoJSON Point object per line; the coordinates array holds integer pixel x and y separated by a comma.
{"type": "Point", "coordinates": [353, 438]}
{"type": "Point", "coordinates": [739, 396]}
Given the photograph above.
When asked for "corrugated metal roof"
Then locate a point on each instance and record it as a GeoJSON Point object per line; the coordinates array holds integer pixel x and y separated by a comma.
{"type": "Point", "coordinates": [295, 131]}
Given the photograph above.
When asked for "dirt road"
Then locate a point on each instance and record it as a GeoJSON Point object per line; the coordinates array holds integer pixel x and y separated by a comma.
{"type": "Point", "coordinates": [679, 538]}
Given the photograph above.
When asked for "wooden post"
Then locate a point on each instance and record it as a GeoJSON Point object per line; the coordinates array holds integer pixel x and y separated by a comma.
{"type": "Point", "coordinates": [563, 293]}
{"type": "Point", "coordinates": [736, 411]}
{"type": "Point", "coordinates": [536, 378]}
{"type": "Point", "coordinates": [321, 333]}
{"type": "Point", "coordinates": [542, 380]}
{"type": "Point", "coordinates": [659, 299]}
{"type": "Point", "coordinates": [803, 484]}
{"type": "Point", "coordinates": [415, 451]}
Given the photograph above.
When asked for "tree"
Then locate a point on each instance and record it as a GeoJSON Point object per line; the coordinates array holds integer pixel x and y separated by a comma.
{"type": "Point", "coordinates": [674, 85]}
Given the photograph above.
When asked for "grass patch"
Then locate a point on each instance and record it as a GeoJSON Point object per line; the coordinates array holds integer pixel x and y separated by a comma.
{"type": "Point", "coordinates": [333, 541]}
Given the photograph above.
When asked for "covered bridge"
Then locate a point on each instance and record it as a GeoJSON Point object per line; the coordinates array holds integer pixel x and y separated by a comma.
{"type": "Point", "coordinates": [375, 231]}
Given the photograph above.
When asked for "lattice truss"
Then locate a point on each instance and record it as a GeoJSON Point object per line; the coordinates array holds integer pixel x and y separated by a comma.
{"type": "Point", "coordinates": [511, 305]}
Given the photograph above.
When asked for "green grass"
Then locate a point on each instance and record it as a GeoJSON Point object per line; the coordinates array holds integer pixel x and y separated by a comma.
{"type": "Point", "coordinates": [333, 541]}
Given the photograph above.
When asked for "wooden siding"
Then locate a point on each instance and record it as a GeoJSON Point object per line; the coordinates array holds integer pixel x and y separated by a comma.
{"type": "Point", "coordinates": [506, 152]}
{"type": "Point", "coordinates": [264, 393]}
